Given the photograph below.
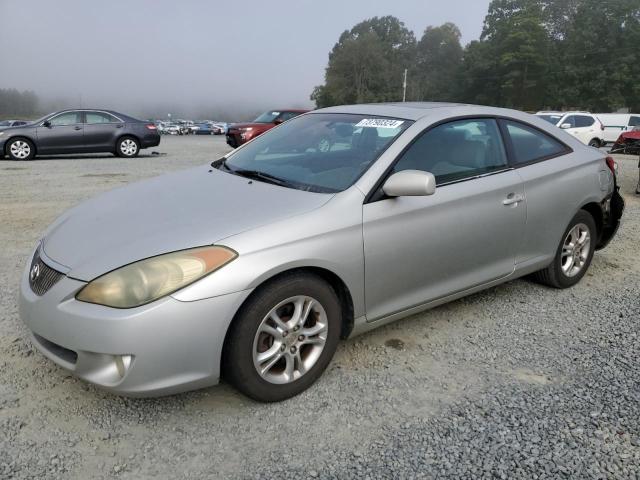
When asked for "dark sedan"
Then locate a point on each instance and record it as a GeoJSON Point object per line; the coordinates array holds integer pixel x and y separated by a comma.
{"type": "Point", "coordinates": [79, 131]}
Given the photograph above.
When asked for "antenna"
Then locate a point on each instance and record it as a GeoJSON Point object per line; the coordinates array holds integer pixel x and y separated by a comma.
{"type": "Point", "coordinates": [404, 86]}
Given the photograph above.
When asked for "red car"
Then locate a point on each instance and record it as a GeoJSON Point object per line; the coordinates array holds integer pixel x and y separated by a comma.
{"type": "Point", "coordinates": [240, 133]}
{"type": "Point", "coordinates": [628, 142]}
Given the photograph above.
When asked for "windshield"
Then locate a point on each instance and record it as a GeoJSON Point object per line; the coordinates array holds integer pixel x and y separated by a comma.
{"type": "Point", "coordinates": [5, 123]}
{"type": "Point", "coordinates": [554, 119]}
{"type": "Point", "coordinates": [319, 152]}
{"type": "Point", "coordinates": [267, 117]}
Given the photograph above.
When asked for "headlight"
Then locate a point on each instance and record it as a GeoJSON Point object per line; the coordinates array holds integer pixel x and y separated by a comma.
{"type": "Point", "coordinates": [148, 280]}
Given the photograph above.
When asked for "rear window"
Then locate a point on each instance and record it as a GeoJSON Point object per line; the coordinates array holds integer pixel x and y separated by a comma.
{"type": "Point", "coordinates": [634, 121]}
{"type": "Point", "coordinates": [529, 144]}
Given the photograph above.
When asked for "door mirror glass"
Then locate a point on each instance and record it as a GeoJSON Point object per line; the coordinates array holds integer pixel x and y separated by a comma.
{"type": "Point", "coordinates": [410, 183]}
{"type": "Point", "coordinates": [565, 126]}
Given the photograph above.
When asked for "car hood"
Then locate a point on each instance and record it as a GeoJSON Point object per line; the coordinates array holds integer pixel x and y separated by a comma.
{"type": "Point", "coordinates": [187, 209]}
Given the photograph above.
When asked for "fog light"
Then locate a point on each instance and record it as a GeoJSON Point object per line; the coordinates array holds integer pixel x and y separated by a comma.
{"type": "Point", "coordinates": [123, 362]}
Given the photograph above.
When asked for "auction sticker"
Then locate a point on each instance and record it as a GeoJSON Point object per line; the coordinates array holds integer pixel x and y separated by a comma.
{"type": "Point", "coordinates": [379, 123]}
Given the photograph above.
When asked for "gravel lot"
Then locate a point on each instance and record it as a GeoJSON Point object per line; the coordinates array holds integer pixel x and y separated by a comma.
{"type": "Point", "coordinates": [520, 381]}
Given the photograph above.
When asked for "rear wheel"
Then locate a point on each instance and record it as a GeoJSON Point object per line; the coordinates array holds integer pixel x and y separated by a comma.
{"type": "Point", "coordinates": [127, 147]}
{"type": "Point", "coordinates": [595, 143]}
{"type": "Point", "coordinates": [574, 254]}
{"type": "Point", "coordinates": [21, 149]}
{"type": "Point", "coordinates": [283, 338]}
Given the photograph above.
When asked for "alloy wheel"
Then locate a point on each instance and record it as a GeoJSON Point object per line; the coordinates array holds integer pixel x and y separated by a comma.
{"type": "Point", "coordinates": [128, 147]}
{"type": "Point", "coordinates": [575, 250]}
{"type": "Point", "coordinates": [290, 339]}
{"type": "Point", "coordinates": [20, 149]}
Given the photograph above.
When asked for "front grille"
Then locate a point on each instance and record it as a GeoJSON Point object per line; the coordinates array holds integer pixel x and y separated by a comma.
{"type": "Point", "coordinates": [41, 276]}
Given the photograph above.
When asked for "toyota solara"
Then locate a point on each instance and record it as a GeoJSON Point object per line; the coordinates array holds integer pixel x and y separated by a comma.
{"type": "Point", "coordinates": [329, 225]}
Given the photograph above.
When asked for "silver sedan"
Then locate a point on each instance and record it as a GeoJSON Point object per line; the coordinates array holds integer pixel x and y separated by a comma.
{"type": "Point", "coordinates": [330, 225]}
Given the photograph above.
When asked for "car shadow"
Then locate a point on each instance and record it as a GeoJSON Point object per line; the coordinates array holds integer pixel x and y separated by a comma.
{"type": "Point", "coordinates": [84, 156]}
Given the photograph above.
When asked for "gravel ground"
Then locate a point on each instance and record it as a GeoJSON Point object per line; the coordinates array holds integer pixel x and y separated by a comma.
{"type": "Point", "coordinates": [520, 381]}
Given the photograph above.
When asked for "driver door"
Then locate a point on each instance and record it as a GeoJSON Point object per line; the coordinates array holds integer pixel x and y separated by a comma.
{"type": "Point", "coordinates": [63, 134]}
{"type": "Point", "coordinates": [419, 249]}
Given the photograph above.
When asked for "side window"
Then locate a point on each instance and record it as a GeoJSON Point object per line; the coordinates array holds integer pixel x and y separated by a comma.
{"type": "Point", "coordinates": [583, 121]}
{"type": "Point", "coordinates": [68, 118]}
{"type": "Point", "coordinates": [529, 144]}
{"type": "Point", "coordinates": [571, 120]}
{"type": "Point", "coordinates": [99, 117]}
{"type": "Point", "coordinates": [456, 150]}
{"type": "Point", "coordinates": [634, 121]}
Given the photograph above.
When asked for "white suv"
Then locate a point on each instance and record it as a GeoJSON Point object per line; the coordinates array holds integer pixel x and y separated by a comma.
{"type": "Point", "coordinates": [583, 125]}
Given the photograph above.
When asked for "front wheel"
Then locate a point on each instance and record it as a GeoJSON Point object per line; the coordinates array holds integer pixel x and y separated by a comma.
{"type": "Point", "coordinates": [283, 338]}
{"type": "Point", "coordinates": [128, 147]}
{"type": "Point", "coordinates": [574, 254]}
{"type": "Point", "coordinates": [21, 149]}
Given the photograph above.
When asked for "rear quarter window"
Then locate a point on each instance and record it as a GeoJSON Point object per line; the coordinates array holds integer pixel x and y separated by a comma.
{"type": "Point", "coordinates": [530, 145]}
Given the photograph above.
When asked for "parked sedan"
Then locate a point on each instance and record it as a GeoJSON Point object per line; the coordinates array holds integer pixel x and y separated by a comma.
{"type": "Point", "coordinates": [12, 123]}
{"type": "Point", "coordinates": [254, 267]}
{"type": "Point", "coordinates": [79, 131]}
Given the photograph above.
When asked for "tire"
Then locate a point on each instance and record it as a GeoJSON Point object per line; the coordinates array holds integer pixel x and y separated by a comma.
{"type": "Point", "coordinates": [298, 355]}
{"type": "Point", "coordinates": [563, 273]}
{"type": "Point", "coordinates": [127, 147]}
{"type": "Point", "coordinates": [20, 149]}
{"type": "Point", "coordinates": [595, 143]}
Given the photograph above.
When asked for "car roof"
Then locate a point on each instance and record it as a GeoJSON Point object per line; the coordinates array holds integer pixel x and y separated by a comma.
{"type": "Point", "coordinates": [105, 110]}
{"type": "Point", "coordinates": [412, 110]}
{"type": "Point", "coordinates": [571, 112]}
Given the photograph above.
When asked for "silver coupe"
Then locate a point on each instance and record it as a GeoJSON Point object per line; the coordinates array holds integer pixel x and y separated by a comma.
{"type": "Point", "coordinates": [334, 223]}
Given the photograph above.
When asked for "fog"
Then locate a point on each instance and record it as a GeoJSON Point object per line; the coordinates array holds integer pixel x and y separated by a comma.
{"type": "Point", "coordinates": [195, 58]}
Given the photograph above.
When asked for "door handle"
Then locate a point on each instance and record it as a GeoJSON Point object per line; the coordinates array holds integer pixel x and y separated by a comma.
{"type": "Point", "coordinates": [513, 199]}
{"type": "Point", "coordinates": [77, 128]}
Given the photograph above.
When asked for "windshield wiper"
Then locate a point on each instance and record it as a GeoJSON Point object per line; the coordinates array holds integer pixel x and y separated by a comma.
{"type": "Point", "coordinates": [262, 176]}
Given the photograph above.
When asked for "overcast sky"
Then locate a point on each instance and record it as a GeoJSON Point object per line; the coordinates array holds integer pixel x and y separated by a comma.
{"type": "Point", "coordinates": [151, 55]}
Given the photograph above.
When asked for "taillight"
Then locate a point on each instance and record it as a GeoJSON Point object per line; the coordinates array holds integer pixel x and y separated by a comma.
{"type": "Point", "coordinates": [151, 126]}
{"type": "Point", "coordinates": [611, 163]}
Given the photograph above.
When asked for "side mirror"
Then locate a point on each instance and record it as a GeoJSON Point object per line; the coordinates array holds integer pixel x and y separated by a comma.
{"type": "Point", "coordinates": [410, 183]}
{"type": "Point", "coordinates": [46, 123]}
{"type": "Point", "coordinates": [278, 121]}
{"type": "Point", "coordinates": [565, 126]}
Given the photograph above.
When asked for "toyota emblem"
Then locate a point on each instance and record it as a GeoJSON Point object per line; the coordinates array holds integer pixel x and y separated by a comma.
{"type": "Point", "coordinates": [35, 272]}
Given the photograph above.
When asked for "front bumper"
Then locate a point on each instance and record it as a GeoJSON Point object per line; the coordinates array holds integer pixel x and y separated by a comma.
{"type": "Point", "coordinates": [162, 348]}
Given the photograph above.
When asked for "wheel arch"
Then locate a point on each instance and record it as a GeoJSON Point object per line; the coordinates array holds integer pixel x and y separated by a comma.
{"type": "Point", "coordinates": [335, 282]}
{"type": "Point", "coordinates": [25, 137]}
{"type": "Point", "coordinates": [595, 210]}
{"type": "Point", "coordinates": [126, 135]}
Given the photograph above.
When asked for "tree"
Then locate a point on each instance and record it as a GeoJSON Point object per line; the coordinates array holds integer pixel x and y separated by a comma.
{"type": "Point", "coordinates": [367, 64]}
{"type": "Point", "coordinates": [599, 56]}
{"type": "Point", "coordinates": [515, 55]}
{"type": "Point", "coordinates": [13, 102]}
{"type": "Point", "coordinates": [439, 58]}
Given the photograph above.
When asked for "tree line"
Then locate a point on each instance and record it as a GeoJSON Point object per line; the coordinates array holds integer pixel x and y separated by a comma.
{"type": "Point", "coordinates": [16, 103]}
{"type": "Point", "coordinates": [532, 54]}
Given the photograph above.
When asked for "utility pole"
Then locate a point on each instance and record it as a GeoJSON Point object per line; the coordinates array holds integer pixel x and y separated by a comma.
{"type": "Point", "coordinates": [404, 86]}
